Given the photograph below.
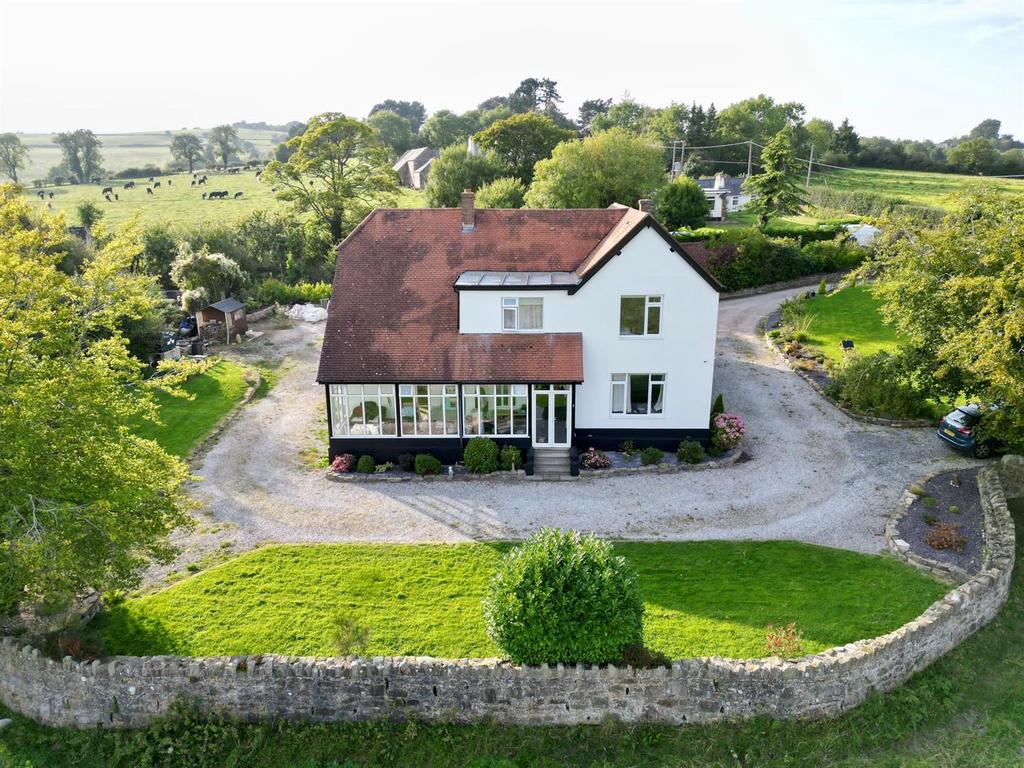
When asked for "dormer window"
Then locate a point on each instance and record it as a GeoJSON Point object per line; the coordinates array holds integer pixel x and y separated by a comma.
{"type": "Point", "coordinates": [640, 316]}
{"type": "Point", "coordinates": [522, 314]}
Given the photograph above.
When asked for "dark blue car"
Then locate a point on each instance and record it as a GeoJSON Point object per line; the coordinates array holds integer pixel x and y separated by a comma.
{"type": "Point", "coordinates": [958, 429]}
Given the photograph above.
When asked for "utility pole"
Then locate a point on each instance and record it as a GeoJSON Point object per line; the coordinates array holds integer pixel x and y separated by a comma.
{"type": "Point", "coordinates": [750, 156]}
{"type": "Point", "coordinates": [809, 161]}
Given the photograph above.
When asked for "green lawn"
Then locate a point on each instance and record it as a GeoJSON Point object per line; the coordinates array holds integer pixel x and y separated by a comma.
{"type": "Point", "coordinates": [703, 598]}
{"type": "Point", "coordinates": [852, 313]}
{"type": "Point", "coordinates": [186, 422]}
{"type": "Point", "coordinates": [920, 187]}
{"type": "Point", "coordinates": [964, 711]}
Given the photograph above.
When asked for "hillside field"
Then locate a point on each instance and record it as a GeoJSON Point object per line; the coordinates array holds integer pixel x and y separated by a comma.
{"type": "Point", "coordinates": [920, 187]}
{"type": "Point", "coordinates": [179, 202]}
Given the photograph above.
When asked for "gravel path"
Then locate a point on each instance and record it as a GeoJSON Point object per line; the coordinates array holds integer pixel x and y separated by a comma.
{"type": "Point", "coordinates": [814, 474]}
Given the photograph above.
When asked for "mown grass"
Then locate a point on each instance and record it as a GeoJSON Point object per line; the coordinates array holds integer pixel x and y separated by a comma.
{"type": "Point", "coordinates": [921, 187]}
{"type": "Point", "coordinates": [852, 313]}
{"type": "Point", "coordinates": [965, 711]}
{"type": "Point", "coordinates": [703, 598]}
{"type": "Point", "coordinates": [185, 422]}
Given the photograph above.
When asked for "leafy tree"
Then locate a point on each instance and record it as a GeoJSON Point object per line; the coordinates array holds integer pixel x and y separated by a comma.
{"type": "Point", "coordinates": [89, 214]}
{"type": "Point", "coordinates": [534, 94]}
{"type": "Point", "coordinates": [444, 128]}
{"type": "Point", "coordinates": [282, 151]}
{"type": "Point", "coordinates": [955, 292]}
{"type": "Point", "coordinates": [612, 166]}
{"type": "Point", "coordinates": [821, 135]}
{"type": "Point", "coordinates": [627, 114]}
{"type": "Point", "coordinates": [224, 141]}
{"type": "Point", "coordinates": [973, 156]}
{"type": "Point", "coordinates": [413, 111]}
{"type": "Point", "coordinates": [986, 129]}
{"type": "Point", "coordinates": [392, 129]}
{"type": "Point", "coordinates": [84, 502]}
{"type": "Point", "coordinates": [775, 189]}
{"type": "Point", "coordinates": [760, 118]}
{"type": "Point", "coordinates": [455, 170]}
{"type": "Point", "coordinates": [13, 155]}
{"type": "Point", "coordinates": [81, 150]}
{"type": "Point", "coordinates": [506, 192]}
{"type": "Point", "coordinates": [846, 141]}
{"type": "Point", "coordinates": [187, 148]}
{"type": "Point", "coordinates": [682, 203]}
{"type": "Point", "coordinates": [521, 140]}
{"type": "Point", "coordinates": [590, 109]}
{"type": "Point", "coordinates": [339, 172]}
{"type": "Point", "coordinates": [214, 273]}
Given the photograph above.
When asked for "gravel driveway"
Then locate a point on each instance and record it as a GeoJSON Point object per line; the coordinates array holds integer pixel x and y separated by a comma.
{"type": "Point", "coordinates": [814, 474]}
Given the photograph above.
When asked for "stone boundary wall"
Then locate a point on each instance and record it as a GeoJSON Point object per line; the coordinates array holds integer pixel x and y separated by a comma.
{"type": "Point", "coordinates": [259, 314]}
{"type": "Point", "coordinates": [132, 691]}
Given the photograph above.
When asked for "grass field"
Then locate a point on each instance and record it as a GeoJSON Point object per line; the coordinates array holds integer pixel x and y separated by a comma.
{"type": "Point", "coordinates": [965, 711]}
{"type": "Point", "coordinates": [852, 313]}
{"type": "Point", "coordinates": [187, 422]}
{"type": "Point", "coordinates": [924, 188]}
{"type": "Point", "coordinates": [703, 598]}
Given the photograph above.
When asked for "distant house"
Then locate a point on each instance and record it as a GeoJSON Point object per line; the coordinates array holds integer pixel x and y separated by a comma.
{"type": "Point", "coordinates": [223, 319]}
{"type": "Point", "coordinates": [725, 194]}
{"type": "Point", "coordinates": [413, 167]}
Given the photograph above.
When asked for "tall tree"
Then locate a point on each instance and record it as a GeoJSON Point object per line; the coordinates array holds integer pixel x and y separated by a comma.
{"type": "Point", "coordinates": [224, 140]}
{"type": "Point", "coordinates": [13, 155]}
{"type": "Point", "coordinates": [521, 140]}
{"type": "Point", "coordinates": [444, 128]}
{"type": "Point", "coordinates": [612, 166]}
{"type": "Point", "coordinates": [413, 111]}
{"type": "Point", "coordinates": [682, 203]}
{"type": "Point", "coordinates": [775, 189]}
{"type": "Point", "coordinates": [986, 129]}
{"type": "Point", "coordinates": [846, 141]}
{"type": "Point", "coordinates": [973, 156]}
{"type": "Point", "coordinates": [214, 274]}
{"type": "Point", "coordinates": [455, 170]}
{"type": "Point", "coordinates": [627, 114]}
{"type": "Point", "coordinates": [81, 150]}
{"type": "Point", "coordinates": [188, 148]}
{"type": "Point", "coordinates": [392, 130]}
{"type": "Point", "coordinates": [821, 134]}
{"type": "Point", "coordinates": [339, 172]}
{"type": "Point", "coordinates": [590, 109]}
{"type": "Point", "coordinates": [84, 502]}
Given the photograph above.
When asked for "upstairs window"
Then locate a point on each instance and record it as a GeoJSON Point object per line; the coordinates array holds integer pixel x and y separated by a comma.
{"type": "Point", "coordinates": [640, 316]}
{"type": "Point", "coordinates": [522, 314]}
{"type": "Point", "coordinates": [638, 394]}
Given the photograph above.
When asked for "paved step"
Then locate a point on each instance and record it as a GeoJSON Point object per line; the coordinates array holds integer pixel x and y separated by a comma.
{"type": "Point", "coordinates": [551, 463]}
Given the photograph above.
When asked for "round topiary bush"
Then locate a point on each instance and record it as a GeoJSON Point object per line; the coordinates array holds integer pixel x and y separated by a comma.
{"type": "Point", "coordinates": [365, 465]}
{"type": "Point", "coordinates": [564, 597]}
{"type": "Point", "coordinates": [481, 455]}
{"type": "Point", "coordinates": [425, 464]}
{"type": "Point", "coordinates": [690, 452]}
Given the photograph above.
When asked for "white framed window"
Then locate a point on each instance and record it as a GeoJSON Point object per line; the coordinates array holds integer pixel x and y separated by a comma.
{"type": "Point", "coordinates": [495, 409]}
{"type": "Point", "coordinates": [735, 201]}
{"type": "Point", "coordinates": [429, 409]}
{"type": "Point", "coordinates": [522, 313]}
{"type": "Point", "coordinates": [363, 409]}
{"type": "Point", "coordinates": [640, 316]}
{"type": "Point", "coordinates": [638, 394]}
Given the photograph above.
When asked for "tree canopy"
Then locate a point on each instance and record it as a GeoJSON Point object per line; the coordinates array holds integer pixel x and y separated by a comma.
{"type": "Point", "coordinates": [188, 148]}
{"type": "Point", "coordinates": [413, 111]}
{"type": "Point", "coordinates": [506, 192]}
{"type": "Point", "coordinates": [84, 502]}
{"type": "Point", "coordinates": [682, 203]}
{"type": "Point", "coordinates": [339, 171]}
{"type": "Point", "coordinates": [224, 144]}
{"type": "Point", "coordinates": [392, 130]}
{"type": "Point", "coordinates": [81, 151]}
{"type": "Point", "coordinates": [521, 140]}
{"type": "Point", "coordinates": [775, 189]}
{"type": "Point", "coordinates": [210, 276]}
{"type": "Point", "coordinates": [612, 166]}
{"type": "Point", "coordinates": [455, 170]}
{"type": "Point", "coordinates": [13, 155]}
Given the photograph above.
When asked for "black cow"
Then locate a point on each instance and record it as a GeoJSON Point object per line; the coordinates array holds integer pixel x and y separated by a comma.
{"type": "Point", "coordinates": [168, 182]}
{"type": "Point", "coordinates": [156, 185]}
{"type": "Point", "coordinates": [107, 198]}
{"type": "Point", "coordinates": [116, 198]}
{"type": "Point", "coordinates": [258, 174]}
{"type": "Point", "coordinates": [130, 185]}
{"type": "Point", "coordinates": [202, 180]}
{"type": "Point", "coordinates": [107, 191]}
{"type": "Point", "coordinates": [149, 190]}
{"type": "Point", "coordinates": [193, 182]}
{"type": "Point", "coordinates": [218, 195]}
{"type": "Point", "coordinates": [204, 195]}
{"type": "Point", "coordinates": [50, 194]}
{"type": "Point", "coordinates": [150, 178]}
{"type": "Point", "coordinates": [42, 195]}
{"type": "Point", "coordinates": [195, 175]}
{"type": "Point", "coordinates": [237, 195]}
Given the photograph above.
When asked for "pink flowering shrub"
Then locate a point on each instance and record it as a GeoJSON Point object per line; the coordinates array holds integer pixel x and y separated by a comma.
{"type": "Point", "coordinates": [594, 459]}
{"type": "Point", "coordinates": [728, 430]}
{"type": "Point", "coordinates": [343, 462]}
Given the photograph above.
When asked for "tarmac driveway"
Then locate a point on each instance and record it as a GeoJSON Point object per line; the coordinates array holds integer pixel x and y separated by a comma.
{"type": "Point", "coordinates": [813, 474]}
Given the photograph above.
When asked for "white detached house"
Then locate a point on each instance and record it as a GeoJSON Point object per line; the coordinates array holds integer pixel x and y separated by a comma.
{"type": "Point", "coordinates": [547, 329]}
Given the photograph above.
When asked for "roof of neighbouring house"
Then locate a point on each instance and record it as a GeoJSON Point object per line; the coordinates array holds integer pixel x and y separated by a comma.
{"type": "Point", "coordinates": [733, 185]}
{"type": "Point", "coordinates": [395, 311]}
{"type": "Point", "coordinates": [419, 156]}
{"type": "Point", "coordinates": [227, 305]}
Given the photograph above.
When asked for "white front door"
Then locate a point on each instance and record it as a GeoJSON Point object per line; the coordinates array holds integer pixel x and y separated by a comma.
{"type": "Point", "coordinates": [552, 415]}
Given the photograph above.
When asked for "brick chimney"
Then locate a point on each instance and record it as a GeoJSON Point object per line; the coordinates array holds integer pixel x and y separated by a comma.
{"type": "Point", "coordinates": [468, 211]}
{"type": "Point", "coordinates": [645, 204]}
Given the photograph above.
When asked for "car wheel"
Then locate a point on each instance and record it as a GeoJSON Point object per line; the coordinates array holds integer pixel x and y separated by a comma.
{"type": "Point", "coordinates": [982, 450]}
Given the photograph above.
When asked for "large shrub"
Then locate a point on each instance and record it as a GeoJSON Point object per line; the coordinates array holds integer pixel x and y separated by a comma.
{"type": "Point", "coordinates": [481, 455]}
{"type": "Point", "coordinates": [274, 291]}
{"type": "Point", "coordinates": [425, 464]}
{"type": "Point", "coordinates": [510, 458]}
{"type": "Point", "coordinates": [505, 192]}
{"type": "Point", "coordinates": [682, 204]}
{"type": "Point", "coordinates": [564, 597]}
{"type": "Point", "coordinates": [727, 431]}
{"type": "Point", "coordinates": [879, 384]}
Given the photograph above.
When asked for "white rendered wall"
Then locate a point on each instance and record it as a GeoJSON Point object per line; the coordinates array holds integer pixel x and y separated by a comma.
{"type": "Point", "coordinates": [684, 352]}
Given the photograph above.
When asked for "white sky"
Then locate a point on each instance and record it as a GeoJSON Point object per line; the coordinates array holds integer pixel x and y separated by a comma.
{"type": "Point", "coordinates": [902, 69]}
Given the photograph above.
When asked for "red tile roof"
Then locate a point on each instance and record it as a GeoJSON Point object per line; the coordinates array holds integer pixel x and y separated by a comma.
{"type": "Point", "coordinates": [394, 312]}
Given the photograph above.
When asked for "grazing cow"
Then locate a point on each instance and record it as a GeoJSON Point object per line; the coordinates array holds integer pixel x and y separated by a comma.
{"type": "Point", "coordinates": [273, 189]}
{"type": "Point", "coordinates": [169, 182]}
{"type": "Point", "coordinates": [237, 195]}
{"type": "Point", "coordinates": [193, 182]}
{"type": "Point", "coordinates": [156, 185]}
{"type": "Point", "coordinates": [150, 178]}
{"type": "Point", "coordinates": [42, 195]}
{"type": "Point", "coordinates": [149, 190]}
{"type": "Point", "coordinates": [51, 195]}
{"type": "Point", "coordinates": [258, 174]}
{"type": "Point", "coordinates": [130, 185]}
{"type": "Point", "coordinates": [107, 198]}
{"type": "Point", "coordinates": [49, 206]}
{"type": "Point", "coordinates": [116, 198]}
{"type": "Point", "coordinates": [107, 191]}
{"type": "Point", "coordinates": [195, 175]}
{"type": "Point", "coordinates": [202, 180]}
{"type": "Point", "coordinates": [218, 195]}
{"type": "Point", "coordinates": [204, 195]}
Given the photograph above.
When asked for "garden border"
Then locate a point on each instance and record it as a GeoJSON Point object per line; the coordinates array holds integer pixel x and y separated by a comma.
{"type": "Point", "coordinates": [133, 691]}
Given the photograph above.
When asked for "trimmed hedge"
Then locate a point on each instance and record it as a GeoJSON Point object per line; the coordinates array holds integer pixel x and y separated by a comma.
{"type": "Point", "coordinates": [564, 597]}
{"type": "Point", "coordinates": [426, 464]}
{"type": "Point", "coordinates": [481, 455]}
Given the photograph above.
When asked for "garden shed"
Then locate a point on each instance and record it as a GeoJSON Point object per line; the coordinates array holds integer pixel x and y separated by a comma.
{"type": "Point", "coordinates": [224, 319]}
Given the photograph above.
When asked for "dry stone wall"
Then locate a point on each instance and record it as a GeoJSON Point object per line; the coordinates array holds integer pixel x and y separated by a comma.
{"type": "Point", "coordinates": [132, 691]}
